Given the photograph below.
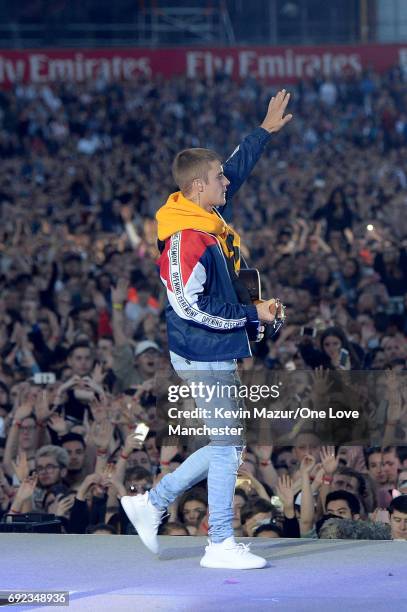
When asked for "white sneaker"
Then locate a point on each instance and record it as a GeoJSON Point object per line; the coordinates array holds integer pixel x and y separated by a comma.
{"type": "Point", "coordinates": [231, 555]}
{"type": "Point", "coordinates": [145, 518]}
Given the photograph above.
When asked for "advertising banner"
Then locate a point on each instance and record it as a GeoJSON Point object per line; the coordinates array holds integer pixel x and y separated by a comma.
{"type": "Point", "coordinates": [273, 65]}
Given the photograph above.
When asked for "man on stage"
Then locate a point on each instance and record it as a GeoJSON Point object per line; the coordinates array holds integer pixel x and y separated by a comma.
{"type": "Point", "coordinates": [208, 323]}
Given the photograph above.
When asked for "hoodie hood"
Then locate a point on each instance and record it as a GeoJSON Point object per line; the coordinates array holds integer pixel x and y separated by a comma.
{"type": "Point", "coordinates": [179, 213]}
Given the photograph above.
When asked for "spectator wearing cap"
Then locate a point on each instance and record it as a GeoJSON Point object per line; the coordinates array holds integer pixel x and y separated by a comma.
{"type": "Point", "coordinates": [135, 367]}
{"type": "Point", "coordinates": [147, 354]}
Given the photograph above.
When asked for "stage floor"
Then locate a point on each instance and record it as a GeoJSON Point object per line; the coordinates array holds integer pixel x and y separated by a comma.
{"type": "Point", "coordinates": [117, 573]}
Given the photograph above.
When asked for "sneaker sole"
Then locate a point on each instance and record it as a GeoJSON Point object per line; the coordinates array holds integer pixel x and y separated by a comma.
{"type": "Point", "coordinates": [132, 516]}
{"type": "Point", "coordinates": [218, 565]}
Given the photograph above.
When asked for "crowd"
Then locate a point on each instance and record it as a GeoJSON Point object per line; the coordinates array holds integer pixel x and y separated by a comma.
{"type": "Point", "coordinates": [82, 326]}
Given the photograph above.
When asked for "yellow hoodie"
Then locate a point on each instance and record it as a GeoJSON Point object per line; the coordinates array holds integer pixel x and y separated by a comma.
{"type": "Point", "coordinates": [179, 213]}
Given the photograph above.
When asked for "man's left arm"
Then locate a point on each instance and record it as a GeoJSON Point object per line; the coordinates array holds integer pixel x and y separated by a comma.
{"type": "Point", "coordinates": [243, 159]}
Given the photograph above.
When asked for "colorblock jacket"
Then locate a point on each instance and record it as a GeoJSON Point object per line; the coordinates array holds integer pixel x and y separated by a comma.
{"type": "Point", "coordinates": [205, 320]}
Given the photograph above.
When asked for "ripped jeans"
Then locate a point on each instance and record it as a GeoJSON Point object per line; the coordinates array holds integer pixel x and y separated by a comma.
{"type": "Point", "coordinates": [218, 461]}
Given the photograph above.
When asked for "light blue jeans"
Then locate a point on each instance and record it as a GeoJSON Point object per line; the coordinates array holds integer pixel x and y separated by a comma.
{"type": "Point", "coordinates": [218, 461]}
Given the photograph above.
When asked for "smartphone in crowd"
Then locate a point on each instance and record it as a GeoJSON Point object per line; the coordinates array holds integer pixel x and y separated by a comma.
{"type": "Point", "coordinates": [141, 431]}
{"type": "Point", "coordinates": [242, 482]}
{"type": "Point", "coordinates": [308, 331]}
{"type": "Point", "coordinates": [276, 502]}
{"type": "Point", "coordinates": [44, 378]}
{"type": "Point", "coordinates": [344, 358]}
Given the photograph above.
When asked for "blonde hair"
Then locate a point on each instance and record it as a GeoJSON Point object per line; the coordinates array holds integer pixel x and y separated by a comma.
{"type": "Point", "coordinates": [191, 164]}
{"type": "Point", "coordinates": [57, 452]}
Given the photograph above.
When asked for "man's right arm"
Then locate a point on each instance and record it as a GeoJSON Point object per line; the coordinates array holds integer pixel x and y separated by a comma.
{"type": "Point", "coordinates": [243, 159]}
{"type": "Point", "coordinates": [184, 270]}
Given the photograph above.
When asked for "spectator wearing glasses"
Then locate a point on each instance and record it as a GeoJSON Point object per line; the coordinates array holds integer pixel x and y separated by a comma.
{"type": "Point", "coordinates": [51, 465]}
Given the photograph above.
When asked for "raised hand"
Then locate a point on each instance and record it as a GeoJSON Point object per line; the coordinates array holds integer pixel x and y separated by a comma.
{"type": "Point", "coordinates": [90, 383]}
{"type": "Point", "coordinates": [23, 411]}
{"type": "Point", "coordinates": [99, 301]}
{"type": "Point", "coordinates": [262, 452]}
{"type": "Point", "coordinates": [54, 325]}
{"type": "Point", "coordinates": [320, 379]}
{"type": "Point", "coordinates": [64, 505]}
{"type": "Point", "coordinates": [328, 460]}
{"type": "Point", "coordinates": [306, 466]}
{"type": "Point", "coordinates": [168, 453]}
{"type": "Point", "coordinates": [319, 474]}
{"type": "Point", "coordinates": [21, 467]}
{"type": "Point", "coordinates": [25, 490]}
{"type": "Point", "coordinates": [126, 214]}
{"type": "Point", "coordinates": [132, 443]}
{"type": "Point", "coordinates": [128, 411]}
{"type": "Point", "coordinates": [119, 293]}
{"type": "Point", "coordinates": [58, 424]}
{"type": "Point", "coordinates": [101, 434]}
{"type": "Point", "coordinates": [22, 396]}
{"type": "Point", "coordinates": [70, 331]}
{"type": "Point", "coordinates": [42, 409]}
{"type": "Point", "coordinates": [115, 482]}
{"type": "Point", "coordinates": [148, 386]}
{"type": "Point", "coordinates": [5, 484]}
{"type": "Point", "coordinates": [90, 480]}
{"type": "Point", "coordinates": [69, 384]}
{"type": "Point", "coordinates": [254, 484]}
{"type": "Point", "coordinates": [275, 119]}
{"type": "Point", "coordinates": [285, 491]}
{"type": "Point", "coordinates": [99, 488]}
{"type": "Point", "coordinates": [97, 374]}
{"type": "Point", "coordinates": [355, 458]}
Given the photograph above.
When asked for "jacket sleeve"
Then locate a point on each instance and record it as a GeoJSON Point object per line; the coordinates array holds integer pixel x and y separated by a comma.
{"type": "Point", "coordinates": [291, 528]}
{"type": "Point", "coordinates": [186, 278]}
{"type": "Point", "coordinates": [79, 517]}
{"type": "Point", "coordinates": [240, 164]}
